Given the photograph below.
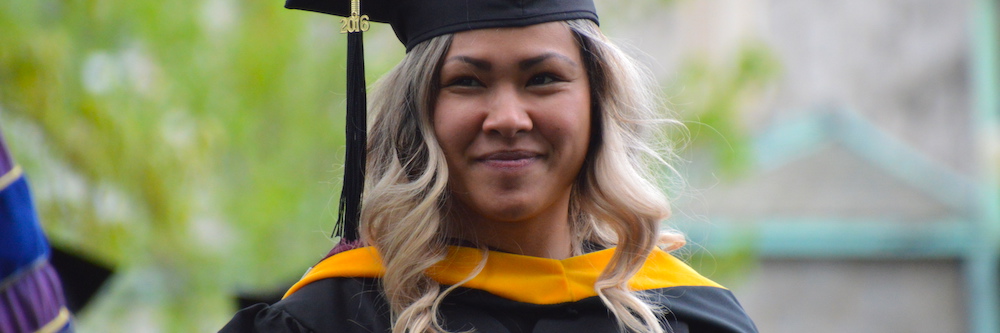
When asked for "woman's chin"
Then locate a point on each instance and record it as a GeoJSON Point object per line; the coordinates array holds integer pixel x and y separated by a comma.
{"type": "Point", "coordinates": [505, 213]}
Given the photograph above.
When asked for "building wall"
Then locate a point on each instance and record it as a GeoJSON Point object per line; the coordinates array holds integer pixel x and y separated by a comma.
{"type": "Point", "coordinates": [823, 296]}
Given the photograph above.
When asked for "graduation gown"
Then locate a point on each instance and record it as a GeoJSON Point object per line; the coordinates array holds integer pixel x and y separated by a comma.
{"type": "Point", "coordinates": [31, 296]}
{"type": "Point", "coordinates": [513, 293]}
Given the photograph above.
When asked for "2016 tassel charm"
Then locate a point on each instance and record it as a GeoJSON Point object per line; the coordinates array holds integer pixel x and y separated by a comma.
{"type": "Point", "coordinates": [356, 22]}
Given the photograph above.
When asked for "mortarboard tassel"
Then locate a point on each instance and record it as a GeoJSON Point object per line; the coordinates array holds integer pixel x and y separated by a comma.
{"type": "Point", "coordinates": [357, 139]}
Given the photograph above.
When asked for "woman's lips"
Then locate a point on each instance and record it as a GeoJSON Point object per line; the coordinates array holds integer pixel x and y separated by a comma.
{"type": "Point", "coordinates": [509, 159]}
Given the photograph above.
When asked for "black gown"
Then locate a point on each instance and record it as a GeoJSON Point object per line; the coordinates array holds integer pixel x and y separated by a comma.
{"type": "Point", "coordinates": [513, 293]}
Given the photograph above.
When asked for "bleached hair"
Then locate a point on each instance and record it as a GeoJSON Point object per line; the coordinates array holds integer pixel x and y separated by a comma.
{"type": "Point", "coordinates": [614, 202]}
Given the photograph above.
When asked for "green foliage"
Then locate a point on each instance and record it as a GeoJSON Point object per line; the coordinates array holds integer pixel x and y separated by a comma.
{"type": "Point", "coordinates": [190, 144]}
{"type": "Point", "coordinates": [712, 97]}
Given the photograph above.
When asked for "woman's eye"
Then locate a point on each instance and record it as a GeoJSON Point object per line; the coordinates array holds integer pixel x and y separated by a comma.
{"type": "Point", "coordinates": [466, 82]}
{"type": "Point", "coordinates": [541, 79]}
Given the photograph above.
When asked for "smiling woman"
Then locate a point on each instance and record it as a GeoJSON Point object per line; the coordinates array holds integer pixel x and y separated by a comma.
{"type": "Point", "coordinates": [513, 120]}
{"type": "Point", "coordinates": [509, 188]}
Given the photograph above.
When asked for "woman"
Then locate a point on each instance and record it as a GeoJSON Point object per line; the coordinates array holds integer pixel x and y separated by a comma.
{"type": "Point", "coordinates": [510, 189]}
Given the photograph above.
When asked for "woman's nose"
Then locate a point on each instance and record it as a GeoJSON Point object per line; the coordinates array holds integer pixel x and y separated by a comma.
{"type": "Point", "coordinates": [507, 114]}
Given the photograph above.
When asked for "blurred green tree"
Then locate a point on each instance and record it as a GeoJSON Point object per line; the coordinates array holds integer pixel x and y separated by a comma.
{"type": "Point", "coordinates": [713, 96]}
{"type": "Point", "coordinates": [192, 145]}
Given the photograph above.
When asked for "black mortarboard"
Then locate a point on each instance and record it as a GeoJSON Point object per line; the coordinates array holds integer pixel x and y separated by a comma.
{"type": "Point", "coordinates": [415, 21]}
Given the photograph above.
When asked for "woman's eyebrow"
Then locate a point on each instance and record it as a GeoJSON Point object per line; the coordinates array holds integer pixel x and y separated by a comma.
{"type": "Point", "coordinates": [477, 63]}
{"type": "Point", "coordinates": [523, 64]}
{"type": "Point", "coordinates": [533, 61]}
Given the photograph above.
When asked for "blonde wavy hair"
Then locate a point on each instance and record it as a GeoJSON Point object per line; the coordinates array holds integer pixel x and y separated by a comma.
{"type": "Point", "coordinates": [614, 202]}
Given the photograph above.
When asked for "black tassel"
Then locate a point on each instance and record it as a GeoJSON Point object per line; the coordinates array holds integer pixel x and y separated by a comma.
{"type": "Point", "coordinates": [357, 140]}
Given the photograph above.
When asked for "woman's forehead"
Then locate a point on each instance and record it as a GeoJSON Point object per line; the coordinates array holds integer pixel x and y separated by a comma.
{"type": "Point", "coordinates": [529, 40]}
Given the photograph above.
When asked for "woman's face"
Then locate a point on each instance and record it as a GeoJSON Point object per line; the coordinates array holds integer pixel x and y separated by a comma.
{"type": "Point", "coordinates": [513, 118]}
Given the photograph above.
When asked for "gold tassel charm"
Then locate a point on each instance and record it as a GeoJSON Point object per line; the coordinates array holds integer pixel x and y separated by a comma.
{"type": "Point", "coordinates": [356, 22]}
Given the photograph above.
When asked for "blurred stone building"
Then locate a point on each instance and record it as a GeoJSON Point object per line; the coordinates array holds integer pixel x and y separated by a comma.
{"type": "Point", "coordinates": [870, 196]}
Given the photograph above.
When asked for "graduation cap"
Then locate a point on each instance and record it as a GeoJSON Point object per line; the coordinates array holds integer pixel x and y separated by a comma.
{"type": "Point", "coordinates": [415, 21]}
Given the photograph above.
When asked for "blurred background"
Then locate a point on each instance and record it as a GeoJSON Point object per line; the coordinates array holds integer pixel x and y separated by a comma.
{"type": "Point", "coordinates": [841, 158]}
